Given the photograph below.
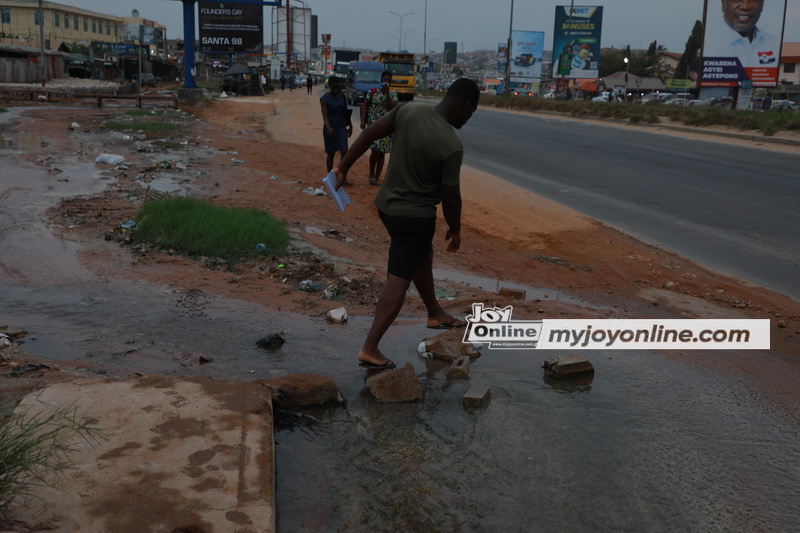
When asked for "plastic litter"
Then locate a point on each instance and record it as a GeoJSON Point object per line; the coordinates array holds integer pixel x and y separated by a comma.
{"type": "Point", "coordinates": [423, 351]}
{"type": "Point", "coordinates": [109, 159]}
{"type": "Point", "coordinates": [310, 286]}
{"type": "Point", "coordinates": [128, 225]}
{"type": "Point", "coordinates": [260, 247]}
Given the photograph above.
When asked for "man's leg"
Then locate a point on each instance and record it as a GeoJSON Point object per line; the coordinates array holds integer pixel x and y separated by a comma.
{"type": "Point", "coordinates": [388, 307]}
{"type": "Point", "coordinates": [329, 161]}
{"type": "Point", "coordinates": [423, 281]}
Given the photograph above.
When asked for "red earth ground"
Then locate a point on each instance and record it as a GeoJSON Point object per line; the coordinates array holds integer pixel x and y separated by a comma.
{"type": "Point", "coordinates": [508, 234]}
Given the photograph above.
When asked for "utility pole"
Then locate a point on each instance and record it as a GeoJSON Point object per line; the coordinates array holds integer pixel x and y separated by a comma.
{"type": "Point", "coordinates": [42, 67]}
{"type": "Point", "coordinates": [507, 78]}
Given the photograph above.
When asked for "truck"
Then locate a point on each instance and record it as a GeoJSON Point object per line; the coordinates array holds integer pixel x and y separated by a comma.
{"type": "Point", "coordinates": [341, 60]}
{"type": "Point", "coordinates": [363, 77]}
{"type": "Point", "coordinates": [404, 72]}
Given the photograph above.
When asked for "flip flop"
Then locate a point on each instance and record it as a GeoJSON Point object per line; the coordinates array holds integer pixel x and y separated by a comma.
{"type": "Point", "coordinates": [374, 366]}
{"type": "Point", "coordinates": [450, 325]}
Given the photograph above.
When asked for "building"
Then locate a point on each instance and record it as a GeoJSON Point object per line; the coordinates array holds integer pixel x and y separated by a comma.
{"type": "Point", "coordinates": [96, 44]}
{"type": "Point", "coordinates": [789, 73]}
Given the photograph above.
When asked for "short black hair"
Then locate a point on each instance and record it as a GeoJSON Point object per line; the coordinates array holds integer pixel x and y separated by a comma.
{"type": "Point", "coordinates": [334, 79]}
{"type": "Point", "coordinates": [464, 89]}
{"type": "Point", "coordinates": [387, 73]}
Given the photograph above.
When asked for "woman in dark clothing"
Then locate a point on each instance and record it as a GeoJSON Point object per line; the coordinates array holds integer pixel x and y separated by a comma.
{"type": "Point", "coordinates": [337, 124]}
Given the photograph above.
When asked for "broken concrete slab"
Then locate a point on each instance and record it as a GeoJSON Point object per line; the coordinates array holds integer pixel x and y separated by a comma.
{"type": "Point", "coordinates": [177, 454]}
{"type": "Point", "coordinates": [568, 366]}
{"type": "Point", "coordinates": [459, 368]}
{"type": "Point", "coordinates": [448, 346]}
{"type": "Point", "coordinates": [399, 385]}
{"type": "Point", "coordinates": [514, 294]}
{"type": "Point", "coordinates": [302, 390]}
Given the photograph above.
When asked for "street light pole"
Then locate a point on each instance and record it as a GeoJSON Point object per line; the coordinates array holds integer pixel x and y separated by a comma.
{"type": "Point", "coordinates": [400, 38]}
{"type": "Point", "coordinates": [627, 69]}
{"type": "Point", "coordinates": [507, 78]}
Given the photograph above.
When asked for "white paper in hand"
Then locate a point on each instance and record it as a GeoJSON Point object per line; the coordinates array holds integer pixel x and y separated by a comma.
{"type": "Point", "coordinates": [340, 197]}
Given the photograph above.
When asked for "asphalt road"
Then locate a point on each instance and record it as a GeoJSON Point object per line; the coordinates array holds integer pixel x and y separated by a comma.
{"type": "Point", "coordinates": [733, 209]}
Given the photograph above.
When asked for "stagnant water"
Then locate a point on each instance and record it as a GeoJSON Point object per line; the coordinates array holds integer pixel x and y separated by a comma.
{"type": "Point", "coordinates": [648, 444]}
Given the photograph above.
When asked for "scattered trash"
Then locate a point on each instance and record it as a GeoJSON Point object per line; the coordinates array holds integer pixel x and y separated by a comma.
{"type": "Point", "coordinates": [128, 225]}
{"type": "Point", "coordinates": [314, 231]}
{"type": "Point", "coordinates": [422, 350]}
{"type": "Point", "coordinates": [237, 161]}
{"type": "Point", "coordinates": [272, 341]}
{"type": "Point", "coordinates": [273, 178]}
{"type": "Point", "coordinates": [205, 359]}
{"type": "Point", "coordinates": [109, 159]}
{"type": "Point", "coordinates": [338, 315]}
{"type": "Point", "coordinates": [314, 192]}
{"type": "Point", "coordinates": [260, 247]}
{"type": "Point", "coordinates": [75, 126]}
{"type": "Point", "coordinates": [309, 286]}
{"type": "Point", "coordinates": [26, 369]}
{"type": "Point", "coordinates": [5, 341]}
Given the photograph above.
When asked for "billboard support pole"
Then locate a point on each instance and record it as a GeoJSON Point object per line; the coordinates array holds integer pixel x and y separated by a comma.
{"type": "Point", "coordinates": [507, 80]}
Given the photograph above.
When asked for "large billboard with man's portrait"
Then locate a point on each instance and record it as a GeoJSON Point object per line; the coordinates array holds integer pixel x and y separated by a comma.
{"type": "Point", "coordinates": [576, 42]}
{"type": "Point", "coordinates": [742, 42]}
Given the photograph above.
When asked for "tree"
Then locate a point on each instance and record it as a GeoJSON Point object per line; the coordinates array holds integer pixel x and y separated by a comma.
{"type": "Point", "coordinates": [691, 54]}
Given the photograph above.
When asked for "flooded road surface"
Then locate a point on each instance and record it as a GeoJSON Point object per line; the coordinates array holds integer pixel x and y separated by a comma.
{"type": "Point", "coordinates": [649, 444]}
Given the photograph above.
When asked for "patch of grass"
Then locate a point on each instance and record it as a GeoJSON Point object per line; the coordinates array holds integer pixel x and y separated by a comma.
{"type": "Point", "coordinates": [35, 449]}
{"type": "Point", "coordinates": [196, 228]}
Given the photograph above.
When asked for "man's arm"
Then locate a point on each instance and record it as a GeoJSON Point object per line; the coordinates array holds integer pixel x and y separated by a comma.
{"type": "Point", "coordinates": [451, 208]}
{"type": "Point", "coordinates": [377, 130]}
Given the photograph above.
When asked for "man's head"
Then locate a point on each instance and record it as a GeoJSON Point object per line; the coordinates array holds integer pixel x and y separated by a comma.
{"type": "Point", "coordinates": [460, 101]}
{"type": "Point", "coordinates": [335, 85]}
{"type": "Point", "coordinates": [742, 15]}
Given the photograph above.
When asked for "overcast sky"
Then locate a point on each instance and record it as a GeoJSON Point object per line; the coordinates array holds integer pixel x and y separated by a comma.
{"type": "Point", "coordinates": [473, 24]}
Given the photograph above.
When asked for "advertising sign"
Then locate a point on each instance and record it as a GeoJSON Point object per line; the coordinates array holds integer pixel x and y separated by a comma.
{"type": "Point", "coordinates": [450, 53]}
{"type": "Point", "coordinates": [231, 27]}
{"type": "Point", "coordinates": [526, 56]}
{"type": "Point", "coordinates": [576, 42]}
{"type": "Point", "coordinates": [742, 42]}
{"type": "Point", "coordinates": [502, 57]}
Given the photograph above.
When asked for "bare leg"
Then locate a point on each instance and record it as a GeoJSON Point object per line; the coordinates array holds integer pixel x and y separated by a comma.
{"type": "Point", "coordinates": [329, 161]}
{"type": "Point", "coordinates": [373, 162]}
{"type": "Point", "coordinates": [388, 307]}
{"type": "Point", "coordinates": [379, 165]}
{"type": "Point", "coordinates": [423, 281]}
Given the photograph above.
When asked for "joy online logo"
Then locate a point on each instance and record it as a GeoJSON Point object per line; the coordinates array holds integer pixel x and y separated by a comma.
{"type": "Point", "coordinates": [495, 327]}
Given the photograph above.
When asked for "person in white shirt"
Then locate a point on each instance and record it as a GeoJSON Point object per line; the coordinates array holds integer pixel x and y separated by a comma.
{"type": "Point", "coordinates": [737, 35]}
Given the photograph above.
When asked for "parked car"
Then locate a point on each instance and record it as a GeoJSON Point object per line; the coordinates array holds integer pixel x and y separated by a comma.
{"type": "Point", "coordinates": [148, 80]}
{"type": "Point", "coordinates": [722, 101]}
{"type": "Point", "coordinates": [784, 105]}
{"type": "Point", "coordinates": [602, 97]}
{"type": "Point", "coordinates": [702, 102]}
{"type": "Point", "coordinates": [524, 60]}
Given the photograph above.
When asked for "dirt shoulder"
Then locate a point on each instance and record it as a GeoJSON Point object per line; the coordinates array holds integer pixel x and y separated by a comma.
{"type": "Point", "coordinates": [266, 152]}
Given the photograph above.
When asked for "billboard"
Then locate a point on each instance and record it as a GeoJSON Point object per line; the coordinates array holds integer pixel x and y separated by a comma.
{"type": "Point", "coordinates": [450, 53]}
{"type": "Point", "coordinates": [741, 42]}
{"type": "Point", "coordinates": [525, 60]}
{"type": "Point", "coordinates": [231, 27]}
{"type": "Point", "coordinates": [576, 42]}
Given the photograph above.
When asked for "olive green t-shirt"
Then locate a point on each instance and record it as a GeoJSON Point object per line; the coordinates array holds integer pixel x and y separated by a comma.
{"type": "Point", "coordinates": [426, 154]}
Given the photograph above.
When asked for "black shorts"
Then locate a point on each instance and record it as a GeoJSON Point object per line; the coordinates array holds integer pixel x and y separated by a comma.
{"type": "Point", "coordinates": [412, 241]}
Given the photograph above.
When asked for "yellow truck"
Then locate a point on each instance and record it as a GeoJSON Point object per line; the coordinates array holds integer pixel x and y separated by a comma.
{"type": "Point", "coordinates": [404, 72]}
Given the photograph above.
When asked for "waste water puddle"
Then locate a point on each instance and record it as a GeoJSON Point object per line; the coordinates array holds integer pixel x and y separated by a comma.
{"type": "Point", "coordinates": [164, 185]}
{"type": "Point", "coordinates": [494, 285]}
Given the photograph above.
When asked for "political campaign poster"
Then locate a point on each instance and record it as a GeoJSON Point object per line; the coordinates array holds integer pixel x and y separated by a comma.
{"type": "Point", "coordinates": [502, 57]}
{"type": "Point", "coordinates": [741, 42]}
{"type": "Point", "coordinates": [226, 27]}
{"type": "Point", "coordinates": [525, 59]}
{"type": "Point", "coordinates": [576, 42]}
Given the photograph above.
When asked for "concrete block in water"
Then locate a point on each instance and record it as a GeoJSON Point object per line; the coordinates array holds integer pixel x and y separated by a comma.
{"type": "Point", "coordinates": [476, 396]}
{"type": "Point", "coordinates": [568, 366]}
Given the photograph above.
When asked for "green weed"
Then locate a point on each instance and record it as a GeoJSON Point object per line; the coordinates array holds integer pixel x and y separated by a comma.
{"type": "Point", "coordinates": [196, 228]}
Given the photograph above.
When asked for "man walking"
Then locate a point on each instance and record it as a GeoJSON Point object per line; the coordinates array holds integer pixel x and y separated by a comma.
{"type": "Point", "coordinates": [423, 171]}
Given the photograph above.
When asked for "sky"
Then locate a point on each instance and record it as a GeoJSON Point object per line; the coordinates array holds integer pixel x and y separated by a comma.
{"type": "Point", "coordinates": [472, 24]}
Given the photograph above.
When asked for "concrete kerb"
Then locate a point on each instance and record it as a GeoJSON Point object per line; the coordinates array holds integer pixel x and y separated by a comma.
{"type": "Point", "coordinates": [174, 454]}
